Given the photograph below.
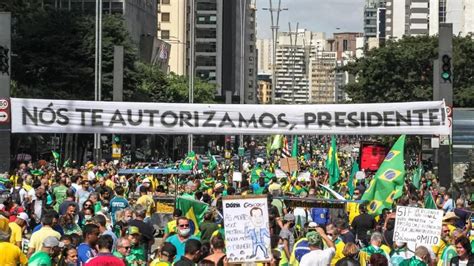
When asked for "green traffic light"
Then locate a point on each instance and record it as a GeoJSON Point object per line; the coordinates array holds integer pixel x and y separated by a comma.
{"type": "Point", "coordinates": [446, 75]}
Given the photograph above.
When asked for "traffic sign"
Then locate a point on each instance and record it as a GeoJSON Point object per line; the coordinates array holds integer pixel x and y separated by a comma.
{"type": "Point", "coordinates": [4, 104]}
{"type": "Point", "coordinates": [4, 117]}
{"type": "Point", "coordinates": [116, 151]}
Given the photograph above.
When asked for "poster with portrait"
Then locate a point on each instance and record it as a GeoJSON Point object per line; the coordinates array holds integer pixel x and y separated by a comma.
{"type": "Point", "coordinates": [246, 227]}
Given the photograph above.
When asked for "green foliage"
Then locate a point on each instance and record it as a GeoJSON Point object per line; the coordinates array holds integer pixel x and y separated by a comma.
{"type": "Point", "coordinates": [154, 85]}
{"type": "Point", "coordinates": [402, 71]}
{"type": "Point", "coordinates": [55, 54]}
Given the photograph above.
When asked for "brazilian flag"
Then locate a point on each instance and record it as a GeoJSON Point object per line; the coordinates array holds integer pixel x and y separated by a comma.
{"type": "Point", "coordinates": [387, 185]}
{"type": "Point", "coordinates": [416, 179]}
{"type": "Point", "coordinates": [258, 172]}
{"type": "Point", "coordinates": [193, 210]}
{"type": "Point", "coordinates": [189, 163]}
{"type": "Point", "coordinates": [429, 201]}
{"type": "Point", "coordinates": [332, 163]}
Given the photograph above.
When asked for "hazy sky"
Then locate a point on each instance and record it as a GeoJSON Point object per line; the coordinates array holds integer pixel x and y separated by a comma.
{"type": "Point", "coordinates": [314, 15]}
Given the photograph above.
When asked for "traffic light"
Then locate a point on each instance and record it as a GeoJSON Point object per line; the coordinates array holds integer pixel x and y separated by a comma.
{"type": "Point", "coordinates": [116, 139]}
{"type": "Point", "coordinates": [446, 72]}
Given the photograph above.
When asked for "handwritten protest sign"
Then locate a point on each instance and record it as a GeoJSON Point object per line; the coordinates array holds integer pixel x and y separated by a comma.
{"type": "Point", "coordinates": [247, 234]}
{"type": "Point", "coordinates": [417, 225]}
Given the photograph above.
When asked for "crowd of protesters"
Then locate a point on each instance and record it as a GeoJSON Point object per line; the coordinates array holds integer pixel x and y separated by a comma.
{"type": "Point", "coordinates": [90, 215]}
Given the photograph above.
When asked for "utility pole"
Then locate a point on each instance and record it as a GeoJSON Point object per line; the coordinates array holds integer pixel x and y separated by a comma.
{"type": "Point", "coordinates": [274, 27]}
{"type": "Point", "coordinates": [293, 51]}
{"type": "Point", "coordinates": [98, 71]}
{"type": "Point", "coordinates": [5, 72]}
{"type": "Point", "coordinates": [191, 63]}
{"type": "Point", "coordinates": [443, 90]}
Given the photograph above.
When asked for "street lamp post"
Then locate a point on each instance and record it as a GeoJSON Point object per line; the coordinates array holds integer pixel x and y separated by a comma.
{"type": "Point", "coordinates": [191, 65]}
{"type": "Point", "coordinates": [98, 71]}
{"type": "Point", "coordinates": [274, 27]}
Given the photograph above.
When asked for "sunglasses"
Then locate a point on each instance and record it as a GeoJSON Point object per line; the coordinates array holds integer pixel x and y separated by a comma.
{"type": "Point", "coordinates": [183, 225]}
{"type": "Point", "coordinates": [129, 247]}
{"type": "Point", "coordinates": [87, 205]}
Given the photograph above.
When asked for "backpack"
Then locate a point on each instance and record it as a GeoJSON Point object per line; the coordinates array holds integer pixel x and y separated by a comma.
{"type": "Point", "coordinates": [16, 196]}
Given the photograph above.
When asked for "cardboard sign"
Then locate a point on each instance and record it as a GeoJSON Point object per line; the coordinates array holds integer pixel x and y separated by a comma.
{"type": "Point", "coordinates": [289, 164]}
{"type": "Point", "coordinates": [246, 227]}
{"type": "Point", "coordinates": [418, 225]}
{"type": "Point", "coordinates": [237, 177]}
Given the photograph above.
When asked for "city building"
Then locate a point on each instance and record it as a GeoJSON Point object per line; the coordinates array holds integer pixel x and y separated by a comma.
{"type": "Point", "coordinates": [224, 40]}
{"type": "Point", "coordinates": [171, 26]}
{"type": "Point", "coordinates": [322, 82]}
{"type": "Point", "coordinates": [374, 20]}
{"type": "Point", "coordinates": [265, 56]}
{"type": "Point", "coordinates": [293, 55]}
{"type": "Point", "coordinates": [264, 90]}
{"type": "Point", "coordinates": [345, 44]}
{"type": "Point", "coordinates": [458, 12]}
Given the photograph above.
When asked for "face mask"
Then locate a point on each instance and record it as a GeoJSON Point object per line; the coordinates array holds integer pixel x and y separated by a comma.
{"type": "Point", "coordinates": [281, 246]}
{"type": "Point", "coordinates": [127, 219]}
{"type": "Point", "coordinates": [184, 232]}
{"type": "Point", "coordinates": [331, 237]}
{"type": "Point", "coordinates": [87, 217]}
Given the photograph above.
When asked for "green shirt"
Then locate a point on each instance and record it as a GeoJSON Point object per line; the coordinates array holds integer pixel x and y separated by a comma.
{"type": "Point", "coordinates": [59, 193]}
{"type": "Point", "coordinates": [40, 258]}
{"type": "Point", "coordinates": [120, 256]}
{"type": "Point", "coordinates": [136, 254]}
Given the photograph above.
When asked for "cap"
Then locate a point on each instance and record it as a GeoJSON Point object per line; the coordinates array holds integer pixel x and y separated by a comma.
{"type": "Point", "coordinates": [23, 216]}
{"type": "Point", "coordinates": [168, 249]}
{"type": "Point", "coordinates": [312, 225]}
{"type": "Point", "coordinates": [51, 242]}
{"type": "Point", "coordinates": [289, 217]}
{"type": "Point", "coordinates": [133, 230]}
{"type": "Point", "coordinates": [314, 238]}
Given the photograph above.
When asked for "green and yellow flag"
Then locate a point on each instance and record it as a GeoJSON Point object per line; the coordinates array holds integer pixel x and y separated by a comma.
{"type": "Point", "coordinates": [258, 172]}
{"type": "Point", "coordinates": [189, 163]}
{"type": "Point", "coordinates": [387, 185]}
{"type": "Point", "coordinates": [277, 142]}
{"type": "Point", "coordinates": [332, 163]}
{"type": "Point", "coordinates": [193, 210]}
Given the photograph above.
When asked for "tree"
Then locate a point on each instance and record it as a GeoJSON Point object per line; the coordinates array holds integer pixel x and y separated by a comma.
{"type": "Point", "coordinates": [54, 53]}
{"type": "Point", "coordinates": [402, 71]}
{"type": "Point", "coordinates": [154, 85]}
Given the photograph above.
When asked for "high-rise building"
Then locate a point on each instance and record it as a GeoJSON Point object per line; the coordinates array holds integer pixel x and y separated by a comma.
{"type": "Point", "coordinates": [172, 19]}
{"type": "Point", "coordinates": [458, 12]}
{"type": "Point", "coordinates": [345, 44]}
{"type": "Point", "coordinates": [264, 90]}
{"type": "Point", "coordinates": [293, 55]}
{"type": "Point", "coordinates": [322, 81]}
{"type": "Point", "coordinates": [265, 56]}
{"type": "Point", "coordinates": [374, 20]}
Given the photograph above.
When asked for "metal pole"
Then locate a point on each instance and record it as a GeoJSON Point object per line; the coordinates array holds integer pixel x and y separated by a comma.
{"type": "Point", "coordinates": [274, 28]}
{"type": "Point", "coordinates": [98, 69]}
{"type": "Point", "coordinates": [293, 51]}
{"type": "Point", "coordinates": [191, 64]}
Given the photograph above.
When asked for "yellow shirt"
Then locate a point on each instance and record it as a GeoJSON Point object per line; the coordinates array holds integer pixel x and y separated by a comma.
{"type": "Point", "coordinates": [4, 223]}
{"type": "Point", "coordinates": [17, 232]}
{"type": "Point", "coordinates": [110, 183]}
{"type": "Point", "coordinates": [147, 202]}
{"type": "Point", "coordinates": [39, 236]}
{"type": "Point", "coordinates": [438, 249]}
{"type": "Point", "coordinates": [338, 255]}
{"type": "Point", "coordinates": [352, 209]}
{"type": "Point", "coordinates": [11, 255]}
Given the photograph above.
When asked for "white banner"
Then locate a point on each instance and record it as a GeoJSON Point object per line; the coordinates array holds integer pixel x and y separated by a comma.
{"type": "Point", "coordinates": [58, 116]}
{"type": "Point", "coordinates": [417, 225]}
{"type": "Point", "coordinates": [246, 227]}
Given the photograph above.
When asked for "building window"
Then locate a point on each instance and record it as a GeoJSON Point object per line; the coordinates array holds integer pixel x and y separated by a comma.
{"type": "Point", "coordinates": [165, 34]}
{"type": "Point", "coordinates": [165, 17]}
{"type": "Point", "coordinates": [165, 2]}
{"type": "Point", "coordinates": [345, 45]}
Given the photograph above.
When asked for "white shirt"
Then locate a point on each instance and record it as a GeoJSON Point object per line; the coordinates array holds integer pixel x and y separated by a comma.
{"type": "Point", "coordinates": [318, 257]}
